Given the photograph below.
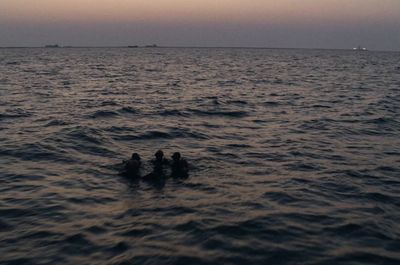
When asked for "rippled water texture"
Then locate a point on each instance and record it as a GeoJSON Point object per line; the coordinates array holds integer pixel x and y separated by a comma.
{"type": "Point", "coordinates": [295, 156]}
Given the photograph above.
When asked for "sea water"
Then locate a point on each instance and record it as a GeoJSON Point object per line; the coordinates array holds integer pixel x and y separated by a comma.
{"type": "Point", "coordinates": [294, 156]}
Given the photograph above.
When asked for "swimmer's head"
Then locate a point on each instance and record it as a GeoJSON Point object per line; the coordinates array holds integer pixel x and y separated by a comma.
{"type": "Point", "coordinates": [135, 156]}
{"type": "Point", "coordinates": [159, 154]}
{"type": "Point", "coordinates": [176, 156]}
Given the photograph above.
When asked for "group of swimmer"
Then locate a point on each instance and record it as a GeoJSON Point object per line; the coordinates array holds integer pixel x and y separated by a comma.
{"type": "Point", "coordinates": [178, 165]}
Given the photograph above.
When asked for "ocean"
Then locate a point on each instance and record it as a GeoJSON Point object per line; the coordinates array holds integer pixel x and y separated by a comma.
{"type": "Point", "coordinates": [294, 156]}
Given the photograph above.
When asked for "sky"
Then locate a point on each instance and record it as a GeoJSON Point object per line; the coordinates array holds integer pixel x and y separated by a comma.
{"type": "Point", "coordinates": [342, 24]}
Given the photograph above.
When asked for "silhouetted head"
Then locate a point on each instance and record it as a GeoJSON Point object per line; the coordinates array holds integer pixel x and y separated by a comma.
{"type": "Point", "coordinates": [159, 155]}
{"type": "Point", "coordinates": [135, 156]}
{"type": "Point", "coordinates": [176, 156]}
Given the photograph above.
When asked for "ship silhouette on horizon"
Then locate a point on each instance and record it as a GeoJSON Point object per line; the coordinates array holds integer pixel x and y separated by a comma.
{"type": "Point", "coordinates": [359, 48]}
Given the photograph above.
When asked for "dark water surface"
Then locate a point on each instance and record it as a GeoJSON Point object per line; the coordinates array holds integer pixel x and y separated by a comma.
{"type": "Point", "coordinates": [295, 155]}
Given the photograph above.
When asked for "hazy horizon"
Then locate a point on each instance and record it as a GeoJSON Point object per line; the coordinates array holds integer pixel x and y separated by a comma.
{"type": "Point", "coordinates": [224, 23]}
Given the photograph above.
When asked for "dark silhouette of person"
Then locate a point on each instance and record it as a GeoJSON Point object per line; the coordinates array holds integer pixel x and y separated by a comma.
{"type": "Point", "coordinates": [158, 173]}
{"type": "Point", "coordinates": [132, 166]}
{"type": "Point", "coordinates": [159, 160]}
{"type": "Point", "coordinates": [179, 166]}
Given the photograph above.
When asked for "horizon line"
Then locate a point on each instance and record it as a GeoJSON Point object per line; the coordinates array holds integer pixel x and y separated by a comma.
{"type": "Point", "coordinates": [183, 47]}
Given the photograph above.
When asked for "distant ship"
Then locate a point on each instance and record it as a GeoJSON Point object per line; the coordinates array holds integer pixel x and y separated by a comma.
{"type": "Point", "coordinates": [359, 48]}
{"type": "Point", "coordinates": [52, 46]}
{"type": "Point", "coordinates": [151, 46]}
{"type": "Point", "coordinates": [133, 46]}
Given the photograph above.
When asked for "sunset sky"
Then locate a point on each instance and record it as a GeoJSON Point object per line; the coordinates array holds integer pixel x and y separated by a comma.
{"type": "Point", "coordinates": [256, 23]}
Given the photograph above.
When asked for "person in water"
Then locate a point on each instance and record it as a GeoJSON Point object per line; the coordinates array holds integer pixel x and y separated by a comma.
{"type": "Point", "coordinates": [159, 158]}
{"type": "Point", "coordinates": [179, 166]}
{"type": "Point", "coordinates": [158, 172]}
{"type": "Point", "coordinates": [132, 166]}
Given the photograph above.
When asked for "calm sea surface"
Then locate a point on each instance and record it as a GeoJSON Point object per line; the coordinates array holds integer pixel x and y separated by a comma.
{"type": "Point", "coordinates": [295, 156]}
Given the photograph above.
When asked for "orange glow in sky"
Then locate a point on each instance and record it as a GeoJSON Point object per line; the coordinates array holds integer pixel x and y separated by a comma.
{"type": "Point", "coordinates": [198, 10]}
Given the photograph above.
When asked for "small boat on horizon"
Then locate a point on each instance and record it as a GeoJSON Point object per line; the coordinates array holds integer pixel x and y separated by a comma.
{"type": "Point", "coordinates": [359, 48]}
{"type": "Point", "coordinates": [52, 46]}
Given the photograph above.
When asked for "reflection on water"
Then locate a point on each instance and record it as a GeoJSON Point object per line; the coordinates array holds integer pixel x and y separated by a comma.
{"type": "Point", "coordinates": [295, 156]}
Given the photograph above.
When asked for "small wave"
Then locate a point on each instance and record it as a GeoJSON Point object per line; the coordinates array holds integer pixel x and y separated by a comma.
{"type": "Point", "coordinates": [56, 123]}
{"type": "Point", "coordinates": [96, 230]}
{"type": "Point", "coordinates": [113, 93]}
{"type": "Point", "coordinates": [239, 145]}
{"type": "Point", "coordinates": [378, 132]}
{"type": "Point", "coordinates": [136, 233]}
{"type": "Point", "coordinates": [170, 258]}
{"type": "Point", "coordinates": [344, 229]}
{"type": "Point", "coordinates": [66, 83]}
{"type": "Point", "coordinates": [342, 189]}
{"type": "Point", "coordinates": [79, 243]}
{"type": "Point", "coordinates": [233, 114]}
{"type": "Point", "coordinates": [321, 124]}
{"type": "Point", "coordinates": [18, 261]}
{"type": "Point", "coordinates": [16, 212]}
{"type": "Point", "coordinates": [12, 63]}
{"type": "Point", "coordinates": [36, 152]}
{"type": "Point", "coordinates": [118, 248]}
{"type": "Point", "coordinates": [25, 177]}
{"type": "Point", "coordinates": [319, 106]}
{"type": "Point", "coordinates": [358, 257]}
{"type": "Point", "coordinates": [380, 197]}
{"type": "Point", "coordinates": [91, 200]}
{"type": "Point", "coordinates": [280, 197]}
{"type": "Point", "coordinates": [42, 234]}
{"type": "Point", "coordinates": [200, 187]}
{"type": "Point", "coordinates": [228, 83]}
{"type": "Point", "coordinates": [303, 167]}
{"type": "Point", "coordinates": [271, 103]}
{"type": "Point", "coordinates": [238, 102]}
{"type": "Point", "coordinates": [153, 70]}
{"type": "Point", "coordinates": [15, 113]}
{"type": "Point", "coordinates": [4, 226]}
{"type": "Point", "coordinates": [172, 134]}
{"type": "Point", "coordinates": [103, 114]}
{"type": "Point", "coordinates": [387, 169]}
{"type": "Point", "coordinates": [360, 231]}
{"type": "Point", "coordinates": [154, 135]}
{"type": "Point", "coordinates": [192, 226]}
{"type": "Point", "coordinates": [119, 129]}
{"type": "Point", "coordinates": [84, 134]}
{"type": "Point", "coordinates": [108, 103]}
{"type": "Point", "coordinates": [382, 120]}
{"type": "Point", "coordinates": [172, 113]}
{"type": "Point", "coordinates": [353, 173]}
{"type": "Point", "coordinates": [128, 110]}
